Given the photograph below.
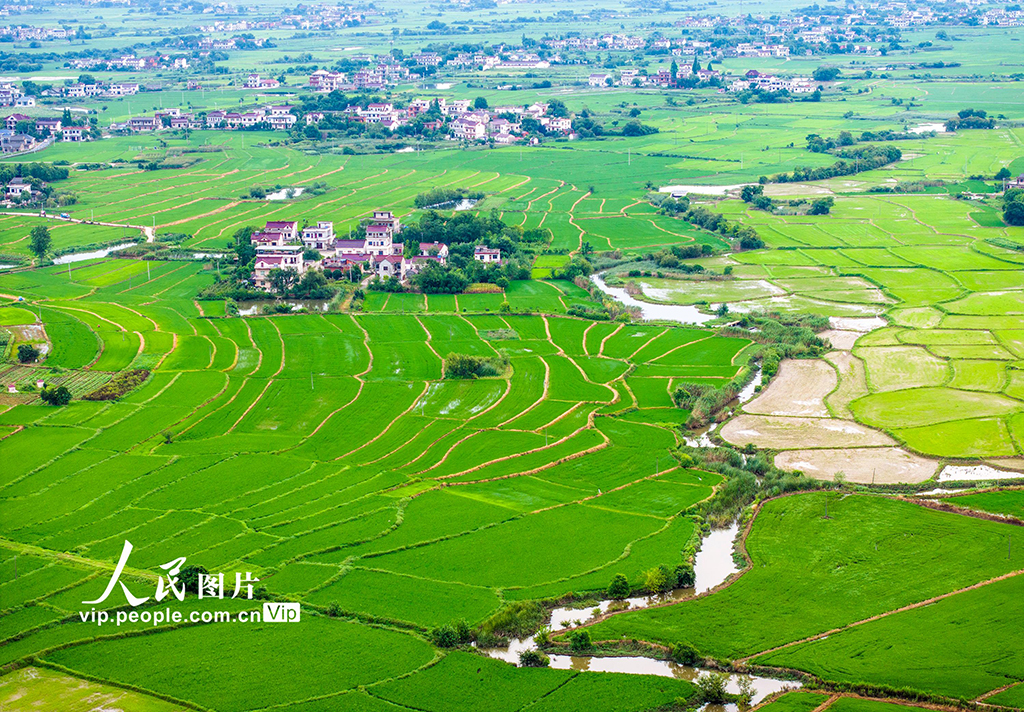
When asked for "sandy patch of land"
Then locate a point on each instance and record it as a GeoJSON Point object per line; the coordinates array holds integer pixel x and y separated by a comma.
{"type": "Point", "coordinates": [884, 465]}
{"type": "Point", "coordinates": [841, 340]}
{"type": "Point", "coordinates": [786, 189]}
{"type": "Point", "coordinates": [852, 382]}
{"type": "Point", "coordinates": [789, 433]}
{"type": "Point", "coordinates": [799, 389]}
{"type": "Point", "coordinates": [863, 325]}
{"type": "Point", "coordinates": [1007, 463]}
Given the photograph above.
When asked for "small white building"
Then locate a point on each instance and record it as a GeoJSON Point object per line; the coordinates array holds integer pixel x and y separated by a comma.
{"type": "Point", "coordinates": [487, 255]}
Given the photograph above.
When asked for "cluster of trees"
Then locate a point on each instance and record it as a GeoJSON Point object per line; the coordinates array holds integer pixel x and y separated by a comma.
{"type": "Point", "coordinates": [660, 579]}
{"type": "Point", "coordinates": [747, 237]}
{"type": "Point", "coordinates": [444, 196]}
{"type": "Point", "coordinates": [311, 285]}
{"type": "Point", "coordinates": [970, 119]}
{"type": "Point", "coordinates": [754, 194]}
{"type": "Point", "coordinates": [669, 257]}
{"type": "Point", "coordinates": [27, 353]}
{"type": "Point", "coordinates": [58, 395]}
{"type": "Point", "coordinates": [467, 366]}
{"type": "Point", "coordinates": [710, 221]}
{"type": "Point", "coordinates": [1013, 206]}
{"type": "Point", "coordinates": [821, 206]}
{"type": "Point", "coordinates": [854, 160]}
{"type": "Point", "coordinates": [822, 144]}
{"type": "Point", "coordinates": [462, 232]}
{"type": "Point", "coordinates": [587, 127]}
{"type": "Point", "coordinates": [46, 172]}
{"type": "Point", "coordinates": [825, 74]}
{"type": "Point", "coordinates": [781, 336]}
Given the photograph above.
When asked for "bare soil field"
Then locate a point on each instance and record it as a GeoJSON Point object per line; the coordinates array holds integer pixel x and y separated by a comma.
{"type": "Point", "coordinates": [799, 389]}
{"type": "Point", "coordinates": [785, 432]}
{"type": "Point", "coordinates": [841, 340]}
{"type": "Point", "coordinates": [884, 465]}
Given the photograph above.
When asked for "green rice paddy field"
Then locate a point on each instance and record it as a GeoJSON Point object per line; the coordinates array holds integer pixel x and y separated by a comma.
{"type": "Point", "coordinates": [328, 455]}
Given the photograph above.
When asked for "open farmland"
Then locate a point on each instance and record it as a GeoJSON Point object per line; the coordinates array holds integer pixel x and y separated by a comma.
{"type": "Point", "coordinates": [695, 346]}
{"type": "Point", "coordinates": [359, 478]}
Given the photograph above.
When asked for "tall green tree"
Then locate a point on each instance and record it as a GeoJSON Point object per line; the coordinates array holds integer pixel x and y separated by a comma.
{"type": "Point", "coordinates": [40, 241]}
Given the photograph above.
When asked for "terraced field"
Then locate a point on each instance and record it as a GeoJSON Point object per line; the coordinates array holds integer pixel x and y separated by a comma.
{"type": "Point", "coordinates": [938, 375]}
{"type": "Point", "coordinates": [328, 455]}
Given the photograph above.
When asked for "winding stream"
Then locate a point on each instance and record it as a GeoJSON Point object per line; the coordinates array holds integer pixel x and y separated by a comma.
{"type": "Point", "coordinates": [95, 254]}
{"type": "Point", "coordinates": [712, 566]}
{"type": "Point", "coordinates": [684, 314]}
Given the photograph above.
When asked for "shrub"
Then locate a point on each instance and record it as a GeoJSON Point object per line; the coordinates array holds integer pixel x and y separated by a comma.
{"type": "Point", "coordinates": [451, 634]}
{"type": "Point", "coordinates": [27, 353]}
{"type": "Point", "coordinates": [466, 366]}
{"type": "Point", "coordinates": [619, 587]}
{"type": "Point", "coordinates": [685, 654]}
{"type": "Point", "coordinates": [579, 641]}
{"type": "Point", "coordinates": [516, 620]}
{"type": "Point", "coordinates": [660, 579]}
{"type": "Point", "coordinates": [189, 577]}
{"type": "Point", "coordinates": [711, 689]}
{"type": "Point", "coordinates": [56, 396]}
{"type": "Point", "coordinates": [533, 658]}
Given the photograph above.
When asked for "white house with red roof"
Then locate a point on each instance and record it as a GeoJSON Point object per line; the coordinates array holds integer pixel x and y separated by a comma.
{"type": "Point", "coordinates": [431, 249]}
{"type": "Point", "coordinates": [74, 134]}
{"type": "Point", "coordinates": [389, 266]}
{"type": "Point", "coordinates": [254, 81]}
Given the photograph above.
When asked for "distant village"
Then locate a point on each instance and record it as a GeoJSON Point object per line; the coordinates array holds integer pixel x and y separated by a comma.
{"type": "Point", "coordinates": [282, 245]}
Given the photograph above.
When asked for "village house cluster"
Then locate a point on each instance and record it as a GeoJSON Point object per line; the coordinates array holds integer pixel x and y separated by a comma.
{"type": "Point", "coordinates": [378, 76]}
{"type": "Point", "coordinates": [14, 141]}
{"type": "Point", "coordinates": [36, 33]}
{"type": "Point", "coordinates": [463, 120]}
{"type": "Point", "coordinates": [131, 62]}
{"type": "Point", "coordinates": [771, 83]}
{"type": "Point", "coordinates": [11, 95]}
{"type": "Point", "coordinates": [274, 116]}
{"type": "Point", "coordinates": [663, 78]}
{"type": "Point", "coordinates": [80, 90]}
{"type": "Point", "coordinates": [280, 245]}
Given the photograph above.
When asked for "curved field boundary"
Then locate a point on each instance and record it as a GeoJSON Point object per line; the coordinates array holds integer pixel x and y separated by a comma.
{"type": "Point", "coordinates": [910, 607]}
